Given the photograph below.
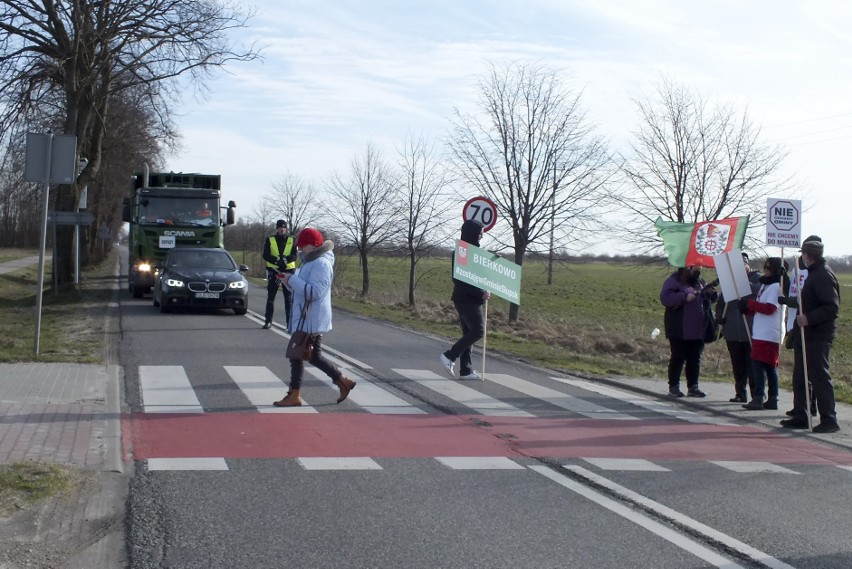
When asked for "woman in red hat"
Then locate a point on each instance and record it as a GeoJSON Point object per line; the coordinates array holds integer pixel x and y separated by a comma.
{"type": "Point", "coordinates": [311, 286]}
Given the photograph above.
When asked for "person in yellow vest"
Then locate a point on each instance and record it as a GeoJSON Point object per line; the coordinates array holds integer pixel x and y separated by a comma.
{"type": "Point", "coordinates": [279, 252]}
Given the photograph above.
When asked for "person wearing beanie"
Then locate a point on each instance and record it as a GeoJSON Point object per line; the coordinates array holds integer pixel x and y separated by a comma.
{"type": "Point", "coordinates": [816, 325]}
{"type": "Point", "coordinates": [311, 286]}
{"type": "Point", "coordinates": [468, 301]}
{"type": "Point", "coordinates": [279, 252]}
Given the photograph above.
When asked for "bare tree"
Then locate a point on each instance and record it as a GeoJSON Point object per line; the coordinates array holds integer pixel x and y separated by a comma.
{"type": "Point", "coordinates": [423, 193]}
{"type": "Point", "coordinates": [65, 58]}
{"type": "Point", "coordinates": [293, 200]}
{"type": "Point", "coordinates": [365, 207]}
{"type": "Point", "coordinates": [533, 152]}
{"type": "Point", "coordinates": [691, 161]}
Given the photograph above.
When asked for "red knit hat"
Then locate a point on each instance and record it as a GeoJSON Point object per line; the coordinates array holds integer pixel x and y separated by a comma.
{"type": "Point", "coordinates": [309, 236]}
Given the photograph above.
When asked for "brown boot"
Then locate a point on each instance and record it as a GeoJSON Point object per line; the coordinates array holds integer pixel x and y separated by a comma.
{"type": "Point", "coordinates": [345, 385]}
{"type": "Point", "coordinates": [292, 399]}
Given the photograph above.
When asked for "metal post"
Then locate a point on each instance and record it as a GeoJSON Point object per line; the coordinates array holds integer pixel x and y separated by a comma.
{"type": "Point", "coordinates": [40, 285]}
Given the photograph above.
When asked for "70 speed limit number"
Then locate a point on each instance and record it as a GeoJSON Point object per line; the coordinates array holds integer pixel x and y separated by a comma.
{"type": "Point", "coordinates": [482, 210]}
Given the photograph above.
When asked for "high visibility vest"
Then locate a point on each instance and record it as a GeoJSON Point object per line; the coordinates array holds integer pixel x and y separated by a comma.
{"type": "Point", "coordinates": [273, 250]}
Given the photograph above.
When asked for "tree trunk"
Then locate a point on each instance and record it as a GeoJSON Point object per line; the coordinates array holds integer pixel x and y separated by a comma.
{"type": "Point", "coordinates": [365, 274]}
{"type": "Point", "coordinates": [412, 265]}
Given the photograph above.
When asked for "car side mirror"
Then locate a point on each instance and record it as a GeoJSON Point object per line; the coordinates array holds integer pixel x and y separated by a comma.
{"type": "Point", "coordinates": [243, 268]}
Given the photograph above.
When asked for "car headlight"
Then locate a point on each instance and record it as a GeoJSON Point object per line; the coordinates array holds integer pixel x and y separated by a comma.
{"type": "Point", "coordinates": [174, 283]}
{"type": "Point", "coordinates": [237, 284]}
{"type": "Point", "coordinates": [143, 267]}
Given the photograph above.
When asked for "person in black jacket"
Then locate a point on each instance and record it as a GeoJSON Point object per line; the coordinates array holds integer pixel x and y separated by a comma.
{"type": "Point", "coordinates": [468, 301]}
{"type": "Point", "coordinates": [820, 305]}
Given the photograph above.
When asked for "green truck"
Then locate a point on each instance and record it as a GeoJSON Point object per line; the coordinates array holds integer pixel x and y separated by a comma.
{"type": "Point", "coordinates": [167, 210]}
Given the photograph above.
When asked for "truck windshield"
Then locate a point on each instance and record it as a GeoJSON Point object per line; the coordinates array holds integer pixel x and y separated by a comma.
{"type": "Point", "coordinates": [186, 212]}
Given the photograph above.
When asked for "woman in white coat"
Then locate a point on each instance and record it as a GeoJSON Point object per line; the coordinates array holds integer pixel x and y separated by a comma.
{"type": "Point", "coordinates": [766, 333]}
{"type": "Point", "coordinates": [311, 285]}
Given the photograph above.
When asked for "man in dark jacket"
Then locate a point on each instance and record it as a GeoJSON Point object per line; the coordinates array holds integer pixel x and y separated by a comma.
{"type": "Point", "coordinates": [737, 333]}
{"type": "Point", "coordinates": [468, 301]}
{"type": "Point", "coordinates": [820, 305]}
{"type": "Point", "coordinates": [279, 252]}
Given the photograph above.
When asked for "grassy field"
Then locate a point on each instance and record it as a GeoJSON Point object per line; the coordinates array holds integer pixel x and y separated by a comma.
{"type": "Point", "coordinates": [71, 328]}
{"type": "Point", "coordinates": [595, 318]}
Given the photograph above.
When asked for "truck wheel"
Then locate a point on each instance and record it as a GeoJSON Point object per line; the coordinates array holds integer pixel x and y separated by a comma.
{"type": "Point", "coordinates": [138, 291]}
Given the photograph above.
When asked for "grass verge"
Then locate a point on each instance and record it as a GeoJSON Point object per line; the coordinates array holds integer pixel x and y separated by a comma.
{"type": "Point", "coordinates": [26, 483]}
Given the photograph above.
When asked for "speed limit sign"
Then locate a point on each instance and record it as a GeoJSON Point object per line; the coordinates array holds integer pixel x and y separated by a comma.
{"type": "Point", "coordinates": [482, 210]}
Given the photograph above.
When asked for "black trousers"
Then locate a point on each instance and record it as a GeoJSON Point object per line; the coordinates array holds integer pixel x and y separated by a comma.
{"type": "Point", "coordinates": [272, 287]}
{"type": "Point", "coordinates": [685, 353]}
{"type": "Point", "coordinates": [473, 329]}
{"type": "Point", "coordinates": [297, 367]}
{"type": "Point", "coordinates": [818, 354]}
{"type": "Point", "coordinates": [740, 353]}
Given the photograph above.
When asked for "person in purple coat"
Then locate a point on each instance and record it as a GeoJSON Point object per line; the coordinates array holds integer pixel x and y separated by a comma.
{"type": "Point", "coordinates": [687, 300]}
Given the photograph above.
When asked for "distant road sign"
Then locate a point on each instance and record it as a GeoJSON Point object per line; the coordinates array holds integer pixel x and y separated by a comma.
{"type": "Point", "coordinates": [70, 217]}
{"type": "Point", "coordinates": [482, 210]}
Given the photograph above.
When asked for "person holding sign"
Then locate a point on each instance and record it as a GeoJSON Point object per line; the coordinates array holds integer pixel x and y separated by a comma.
{"type": "Point", "coordinates": [468, 301]}
{"type": "Point", "coordinates": [766, 333]}
{"type": "Point", "coordinates": [817, 323]}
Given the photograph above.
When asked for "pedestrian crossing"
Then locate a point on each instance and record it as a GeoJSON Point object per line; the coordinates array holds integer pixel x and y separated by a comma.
{"type": "Point", "coordinates": [169, 389]}
{"type": "Point", "coordinates": [468, 463]}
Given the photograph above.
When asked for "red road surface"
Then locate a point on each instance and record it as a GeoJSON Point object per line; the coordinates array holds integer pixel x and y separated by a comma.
{"type": "Point", "coordinates": [257, 435]}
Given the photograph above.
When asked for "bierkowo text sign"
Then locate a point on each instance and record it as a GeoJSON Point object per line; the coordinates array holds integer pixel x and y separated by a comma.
{"type": "Point", "coordinates": [483, 269]}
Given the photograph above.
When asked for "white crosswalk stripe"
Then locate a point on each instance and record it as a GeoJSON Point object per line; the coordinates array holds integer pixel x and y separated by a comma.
{"type": "Point", "coordinates": [557, 398]}
{"type": "Point", "coordinates": [166, 389]}
{"type": "Point", "coordinates": [752, 467]}
{"type": "Point", "coordinates": [261, 387]}
{"type": "Point", "coordinates": [370, 396]}
{"type": "Point", "coordinates": [463, 394]}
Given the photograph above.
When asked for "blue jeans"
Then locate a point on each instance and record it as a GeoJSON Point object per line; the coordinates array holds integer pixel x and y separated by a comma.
{"type": "Point", "coordinates": [764, 373]}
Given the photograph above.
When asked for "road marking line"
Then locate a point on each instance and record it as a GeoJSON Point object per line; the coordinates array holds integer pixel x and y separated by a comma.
{"type": "Point", "coordinates": [557, 398]}
{"type": "Point", "coordinates": [370, 396]}
{"type": "Point", "coordinates": [677, 518]}
{"type": "Point", "coordinates": [166, 389]}
{"type": "Point", "coordinates": [479, 463]}
{"type": "Point", "coordinates": [261, 387]}
{"type": "Point", "coordinates": [639, 401]}
{"type": "Point", "coordinates": [453, 389]}
{"type": "Point", "coordinates": [845, 467]}
{"type": "Point", "coordinates": [626, 464]}
{"type": "Point", "coordinates": [338, 463]}
{"type": "Point", "coordinates": [187, 464]}
{"type": "Point", "coordinates": [752, 467]}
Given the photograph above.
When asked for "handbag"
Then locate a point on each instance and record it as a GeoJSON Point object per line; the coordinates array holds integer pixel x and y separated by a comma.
{"type": "Point", "coordinates": [301, 344]}
{"type": "Point", "coordinates": [711, 327]}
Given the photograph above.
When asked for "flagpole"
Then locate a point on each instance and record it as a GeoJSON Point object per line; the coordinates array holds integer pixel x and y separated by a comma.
{"type": "Point", "coordinates": [805, 364]}
{"type": "Point", "coordinates": [484, 335]}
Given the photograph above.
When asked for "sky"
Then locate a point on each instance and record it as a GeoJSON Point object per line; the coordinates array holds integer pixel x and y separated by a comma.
{"type": "Point", "coordinates": [338, 75]}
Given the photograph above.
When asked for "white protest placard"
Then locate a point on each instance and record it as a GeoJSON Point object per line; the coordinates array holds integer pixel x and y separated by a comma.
{"type": "Point", "coordinates": [733, 279]}
{"type": "Point", "coordinates": [783, 222]}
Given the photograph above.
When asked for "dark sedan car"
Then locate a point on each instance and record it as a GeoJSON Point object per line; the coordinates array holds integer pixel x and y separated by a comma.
{"type": "Point", "coordinates": [195, 277]}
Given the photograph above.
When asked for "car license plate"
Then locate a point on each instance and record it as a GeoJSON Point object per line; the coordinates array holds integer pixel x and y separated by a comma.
{"type": "Point", "coordinates": [206, 295]}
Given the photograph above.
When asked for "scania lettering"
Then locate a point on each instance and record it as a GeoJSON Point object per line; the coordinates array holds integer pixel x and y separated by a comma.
{"type": "Point", "coordinates": [167, 210]}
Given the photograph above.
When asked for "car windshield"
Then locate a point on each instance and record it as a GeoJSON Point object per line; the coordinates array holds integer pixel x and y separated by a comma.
{"type": "Point", "coordinates": [201, 260]}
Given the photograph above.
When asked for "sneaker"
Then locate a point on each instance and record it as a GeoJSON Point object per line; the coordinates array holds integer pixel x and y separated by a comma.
{"type": "Point", "coordinates": [738, 399]}
{"type": "Point", "coordinates": [792, 412]}
{"type": "Point", "coordinates": [675, 392]}
{"type": "Point", "coordinates": [794, 423]}
{"type": "Point", "coordinates": [267, 325]}
{"type": "Point", "coordinates": [472, 375]}
{"type": "Point", "coordinates": [695, 392]}
{"type": "Point", "coordinates": [447, 363]}
{"type": "Point", "coordinates": [754, 405]}
{"type": "Point", "coordinates": [771, 404]}
{"type": "Point", "coordinates": [824, 427]}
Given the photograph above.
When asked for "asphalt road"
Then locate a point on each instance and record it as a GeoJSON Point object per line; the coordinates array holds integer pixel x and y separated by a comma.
{"type": "Point", "coordinates": [529, 468]}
